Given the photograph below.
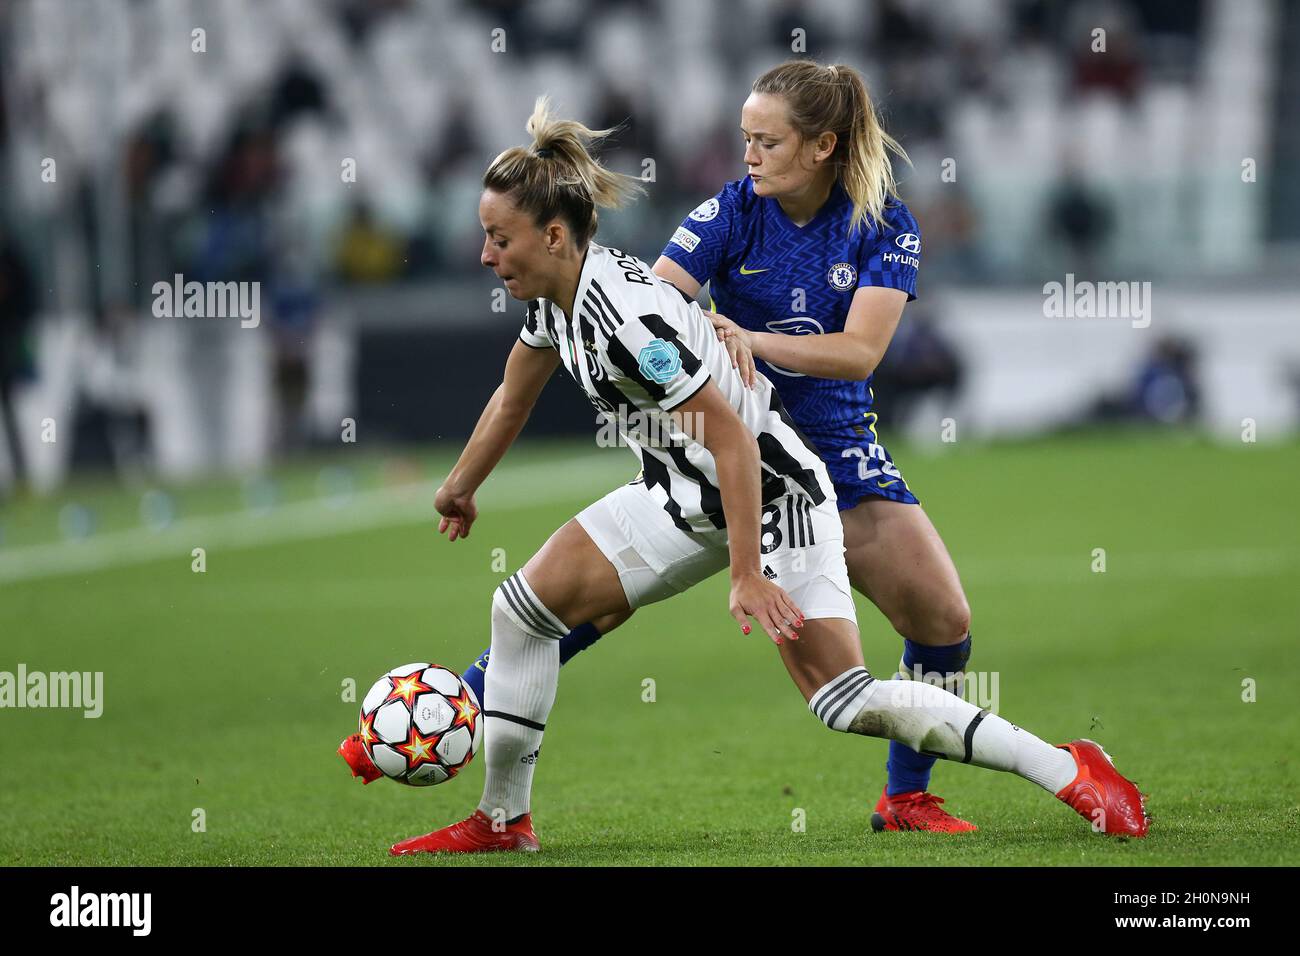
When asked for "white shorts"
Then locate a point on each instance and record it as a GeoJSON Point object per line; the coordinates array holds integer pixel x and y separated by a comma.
{"type": "Point", "coordinates": [802, 550]}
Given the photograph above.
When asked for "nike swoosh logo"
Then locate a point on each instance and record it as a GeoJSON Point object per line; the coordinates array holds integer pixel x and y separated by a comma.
{"type": "Point", "coordinates": [750, 272]}
{"type": "Point", "coordinates": [886, 484]}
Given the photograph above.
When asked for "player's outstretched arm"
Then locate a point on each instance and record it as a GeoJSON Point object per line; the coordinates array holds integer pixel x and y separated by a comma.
{"type": "Point", "coordinates": [527, 371]}
{"type": "Point", "coordinates": [709, 419]}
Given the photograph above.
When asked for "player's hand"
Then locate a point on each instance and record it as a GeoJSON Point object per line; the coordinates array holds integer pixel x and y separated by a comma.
{"type": "Point", "coordinates": [753, 595]}
{"type": "Point", "coordinates": [458, 512]}
{"type": "Point", "coordinates": [739, 343]}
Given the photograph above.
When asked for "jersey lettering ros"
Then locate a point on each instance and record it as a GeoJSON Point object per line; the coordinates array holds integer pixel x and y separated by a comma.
{"type": "Point", "coordinates": [639, 349]}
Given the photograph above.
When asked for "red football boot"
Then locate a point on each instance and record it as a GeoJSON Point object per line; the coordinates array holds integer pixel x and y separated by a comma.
{"type": "Point", "coordinates": [1101, 795]}
{"type": "Point", "coordinates": [358, 760]}
{"type": "Point", "coordinates": [474, 835]}
{"type": "Point", "coordinates": [917, 810]}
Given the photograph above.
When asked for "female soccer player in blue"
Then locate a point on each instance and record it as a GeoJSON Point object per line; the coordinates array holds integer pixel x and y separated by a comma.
{"type": "Point", "coordinates": [813, 256]}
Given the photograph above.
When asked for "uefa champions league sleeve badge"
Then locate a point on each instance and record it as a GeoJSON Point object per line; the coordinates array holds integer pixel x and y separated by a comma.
{"type": "Point", "coordinates": [659, 361]}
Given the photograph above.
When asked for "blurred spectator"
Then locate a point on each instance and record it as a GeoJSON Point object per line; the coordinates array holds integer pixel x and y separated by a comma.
{"type": "Point", "coordinates": [902, 33]}
{"type": "Point", "coordinates": [1118, 69]}
{"type": "Point", "coordinates": [1172, 30]}
{"type": "Point", "coordinates": [297, 90]}
{"type": "Point", "coordinates": [295, 308]}
{"type": "Point", "coordinates": [17, 308]}
{"type": "Point", "coordinates": [451, 169]}
{"type": "Point", "coordinates": [1164, 390]}
{"type": "Point", "coordinates": [367, 252]}
{"type": "Point", "coordinates": [111, 424]}
{"type": "Point", "coordinates": [637, 135]}
{"type": "Point", "coordinates": [558, 28]}
{"type": "Point", "coordinates": [949, 224]}
{"type": "Point", "coordinates": [913, 104]}
{"type": "Point", "coordinates": [4, 122]}
{"type": "Point", "coordinates": [1081, 218]}
{"type": "Point", "coordinates": [1033, 21]}
{"type": "Point", "coordinates": [793, 15]}
{"type": "Point", "coordinates": [234, 241]}
{"type": "Point", "coordinates": [976, 65]}
{"type": "Point", "coordinates": [458, 143]}
{"type": "Point", "coordinates": [149, 151]}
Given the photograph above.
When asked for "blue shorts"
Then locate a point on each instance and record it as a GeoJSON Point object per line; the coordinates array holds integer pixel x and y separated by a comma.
{"type": "Point", "coordinates": [859, 465]}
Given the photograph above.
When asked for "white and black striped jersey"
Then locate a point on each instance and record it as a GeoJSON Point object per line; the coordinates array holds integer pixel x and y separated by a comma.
{"type": "Point", "coordinates": [639, 349]}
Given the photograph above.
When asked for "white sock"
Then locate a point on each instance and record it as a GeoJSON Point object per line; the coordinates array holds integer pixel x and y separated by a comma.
{"type": "Point", "coordinates": [930, 720]}
{"type": "Point", "coordinates": [520, 687]}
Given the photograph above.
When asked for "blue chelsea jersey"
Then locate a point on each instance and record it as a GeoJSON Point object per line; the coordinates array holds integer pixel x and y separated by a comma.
{"type": "Point", "coordinates": [769, 275]}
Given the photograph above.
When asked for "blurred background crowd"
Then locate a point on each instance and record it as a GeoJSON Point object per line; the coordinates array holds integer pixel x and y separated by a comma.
{"type": "Point", "coordinates": [331, 150]}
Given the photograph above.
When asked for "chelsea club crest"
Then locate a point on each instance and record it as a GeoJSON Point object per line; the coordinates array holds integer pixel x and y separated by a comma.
{"type": "Point", "coordinates": [842, 277]}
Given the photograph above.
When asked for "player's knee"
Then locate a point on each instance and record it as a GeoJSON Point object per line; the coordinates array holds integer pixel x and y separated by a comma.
{"type": "Point", "coordinates": [952, 622]}
{"type": "Point", "coordinates": [938, 625]}
{"type": "Point", "coordinates": [843, 698]}
{"type": "Point", "coordinates": [953, 619]}
{"type": "Point", "coordinates": [515, 609]}
{"type": "Point", "coordinates": [501, 616]}
{"type": "Point", "coordinates": [609, 622]}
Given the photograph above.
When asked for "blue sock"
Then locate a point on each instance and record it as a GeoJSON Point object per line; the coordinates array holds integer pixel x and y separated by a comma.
{"type": "Point", "coordinates": [577, 640]}
{"type": "Point", "coordinates": [476, 673]}
{"type": "Point", "coordinates": [909, 770]}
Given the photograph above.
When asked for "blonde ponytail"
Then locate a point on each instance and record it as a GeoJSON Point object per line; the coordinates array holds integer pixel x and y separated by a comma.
{"type": "Point", "coordinates": [835, 99]}
{"type": "Point", "coordinates": [557, 176]}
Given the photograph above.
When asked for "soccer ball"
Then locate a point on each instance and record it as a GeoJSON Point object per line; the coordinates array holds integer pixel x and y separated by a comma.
{"type": "Point", "coordinates": [420, 724]}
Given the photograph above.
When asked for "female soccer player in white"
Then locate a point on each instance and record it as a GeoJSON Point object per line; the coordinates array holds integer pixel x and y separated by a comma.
{"type": "Point", "coordinates": [812, 257]}
{"type": "Point", "coordinates": [715, 455]}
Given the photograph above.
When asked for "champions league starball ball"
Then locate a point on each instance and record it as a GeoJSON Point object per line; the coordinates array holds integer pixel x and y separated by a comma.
{"type": "Point", "coordinates": [420, 724]}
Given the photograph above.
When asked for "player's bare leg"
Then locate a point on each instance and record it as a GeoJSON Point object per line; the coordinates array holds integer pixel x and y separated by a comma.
{"type": "Point", "coordinates": [568, 580]}
{"type": "Point", "coordinates": [896, 558]}
{"type": "Point", "coordinates": [827, 667]}
{"type": "Point", "coordinates": [573, 579]}
{"type": "Point", "coordinates": [827, 647]}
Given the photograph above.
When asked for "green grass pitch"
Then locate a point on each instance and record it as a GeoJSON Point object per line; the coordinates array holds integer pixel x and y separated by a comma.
{"type": "Point", "coordinates": [223, 690]}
